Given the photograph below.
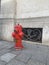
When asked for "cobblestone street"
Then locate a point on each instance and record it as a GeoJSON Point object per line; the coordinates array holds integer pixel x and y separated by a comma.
{"type": "Point", "coordinates": [32, 54]}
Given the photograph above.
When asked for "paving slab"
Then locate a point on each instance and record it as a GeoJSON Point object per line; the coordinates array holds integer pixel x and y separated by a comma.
{"type": "Point", "coordinates": [15, 62]}
{"type": "Point", "coordinates": [7, 57]}
{"type": "Point", "coordinates": [16, 52]}
{"type": "Point", "coordinates": [27, 51]}
{"type": "Point", "coordinates": [3, 51]}
{"type": "Point", "coordinates": [32, 54]}
{"type": "Point", "coordinates": [38, 52]}
{"type": "Point", "coordinates": [40, 56]}
{"type": "Point", "coordinates": [47, 58]}
{"type": "Point", "coordinates": [23, 57]}
{"type": "Point", "coordinates": [33, 62]}
{"type": "Point", "coordinates": [2, 62]}
{"type": "Point", "coordinates": [5, 44]}
{"type": "Point", "coordinates": [36, 47]}
{"type": "Point", "coordinates": [12, 49]}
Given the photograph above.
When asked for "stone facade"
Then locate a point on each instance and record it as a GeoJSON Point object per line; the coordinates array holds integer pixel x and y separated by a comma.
{"type": "Point", "coordinates": [41, 22]}
{"type": "Point", "coordinates": [28, 16]}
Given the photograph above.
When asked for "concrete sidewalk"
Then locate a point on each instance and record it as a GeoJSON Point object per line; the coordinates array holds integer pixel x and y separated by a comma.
{"type": "Point", "coordinates": [32, 54]}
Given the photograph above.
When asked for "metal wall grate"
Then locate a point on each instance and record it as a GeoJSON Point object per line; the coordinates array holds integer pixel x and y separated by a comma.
{"type": "Point", "coordinates": [34, 34]}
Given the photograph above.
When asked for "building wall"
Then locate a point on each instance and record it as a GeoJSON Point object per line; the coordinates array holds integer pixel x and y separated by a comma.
{"type": "Point", "coordinates": [7, 19]}
{"type": "Point", "coordinates": [7, 8]}
{"type": "Point", "coordinates": [6, 29]}
{"type": "Point", "coordinates": [32, 8]}
{"type": "Point", "coordinates": [41, 22]}
{"type": "Point", "coordinates": [27, 14]}
{"type": "Point", "coordinates": [34, 13]}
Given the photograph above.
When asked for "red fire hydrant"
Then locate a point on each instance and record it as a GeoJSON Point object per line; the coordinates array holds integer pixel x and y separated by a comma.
{"type": "Point", "coordinates": [18, 35]}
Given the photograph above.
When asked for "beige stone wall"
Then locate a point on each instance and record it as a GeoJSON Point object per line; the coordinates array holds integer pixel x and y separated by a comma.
{"type": "Point", "coordinates": [7, 19]}
{"type": "Point", "coordinates": [6, 29]}
{"type": "Point", "coordinates": [41, 22]}
{"type": "Point", "coordinates": [29, 13]}
{"type": "Point", "coordinates": [7, 8]}
{"type": "Point", "coordinates": [32, 8]}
